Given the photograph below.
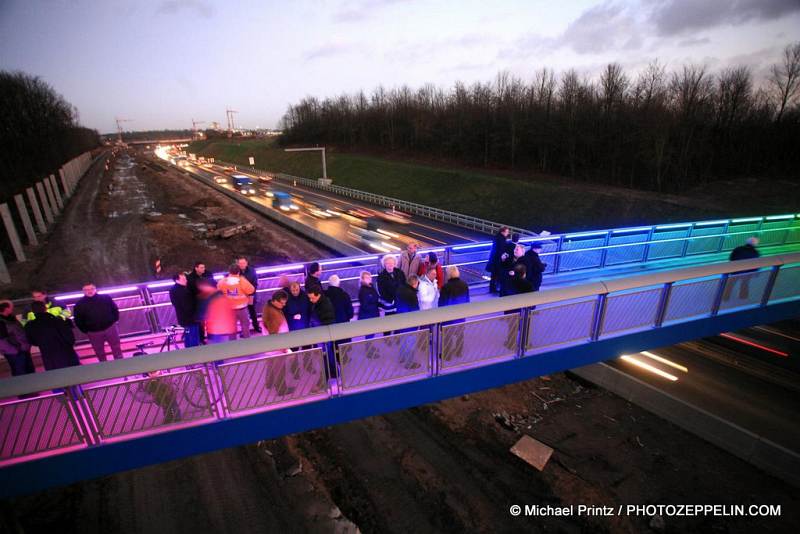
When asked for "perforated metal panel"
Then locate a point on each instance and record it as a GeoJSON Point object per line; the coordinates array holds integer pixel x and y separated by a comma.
{"type": "Point", "coordinates": [385, 358]}
{"type": "Point", "coordinates": [578, 258]}
{"type": "Point", "coordinates": [481, 340]}
{"type": "Point", "coordinates": [774, 232]}
{"type": "Point", "coordinates": [271, 379]}
{"type": "Point", "coordinates": [165, 315]}
{"type": "Point", "coordinates": [134, 321]}
{"type": "Point", "coordinates": [627, 254]}
{"type": "Point", "coordinates": [745, 289]}
{"type": "Point", "coordinates": [743, 231]}
{"type": "Point", "coordinates": [671, 249]}
{"type": "Point", "coordinates": [691, 299]}
{"type": "Point", "coordinates": [36, 425]}
{"type": "Point", "coordinates": [143, 404]}
{"type": "Point", "coordinates": [787, 285]}
{"type": "Point", "coordinates": [556, 325]}
{"type": "Point", "coordinates": [630, 310]}
{"type": "Point", "coordinates": [705, 245]}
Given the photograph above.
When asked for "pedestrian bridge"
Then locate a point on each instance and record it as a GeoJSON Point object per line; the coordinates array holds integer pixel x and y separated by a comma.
{"type": "Point", "coordinates": [608, 293]}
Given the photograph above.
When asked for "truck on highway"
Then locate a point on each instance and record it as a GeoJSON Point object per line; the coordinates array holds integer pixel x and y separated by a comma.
{"type": "Point", "coordinates": [243, 184]}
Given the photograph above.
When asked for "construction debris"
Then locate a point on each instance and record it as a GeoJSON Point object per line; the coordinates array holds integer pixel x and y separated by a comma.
{"type": "Point", "coordinates": [227, 232]}
{"type": "Point", "coordinates": [532, 451]}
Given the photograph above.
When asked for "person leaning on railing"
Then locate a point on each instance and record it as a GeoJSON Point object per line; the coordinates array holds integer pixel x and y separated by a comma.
{"type": "Point", "coordinates": [455, 291]}
{"type": "Point", "coordinates": [13, 342]}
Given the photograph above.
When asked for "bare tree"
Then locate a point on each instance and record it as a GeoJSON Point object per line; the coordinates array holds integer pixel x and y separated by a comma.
{"type": "Point", "coordinates": [785, 77]}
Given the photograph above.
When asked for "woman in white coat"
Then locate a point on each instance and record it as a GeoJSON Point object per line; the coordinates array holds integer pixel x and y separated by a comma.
{"type": "Point", "coordinates": [428, 290]}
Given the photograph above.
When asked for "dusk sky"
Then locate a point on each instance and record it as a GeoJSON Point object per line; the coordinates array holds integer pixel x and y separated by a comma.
{"type": "Point", "coordinates": [163, 63]}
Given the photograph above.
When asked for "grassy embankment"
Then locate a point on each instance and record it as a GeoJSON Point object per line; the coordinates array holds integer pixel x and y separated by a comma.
{"type": "Point", "coordinates": [535, 203]}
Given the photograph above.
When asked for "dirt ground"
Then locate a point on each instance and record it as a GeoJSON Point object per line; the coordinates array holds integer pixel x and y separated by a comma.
{"type": "Point", "coordinates": [444, 467]}
{"type": "Point", "coordinates": [123, 218]}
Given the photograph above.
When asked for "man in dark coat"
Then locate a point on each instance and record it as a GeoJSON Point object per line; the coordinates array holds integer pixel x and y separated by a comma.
{"type": "Point", "coordinates": [185, 306]}
{"type": "Point", "coordinates": [342, 303]}
{"type": "Point", "coordinates": [199, 273]}
{"type": "Point", "coordinates": [250, 275]}
{"type": "Point", "coordinates": [13, 341]}
{"type": "Point", "coordinates": [298, 308]}
{"type": "Point", "coordinates": [54, 337]}
{"type": "Point", "coordinates": [96, 316]}
{"type": "Point", "coordinates": [534, 267]}
{"type": "Point", "coordinates": [322, 313]}
{"type": "Point", "coordinates": [312, 281]}
{"type": "Point", "coordinates": [407, 298]}
{"type": "Point", "coordinates": [455, 291]}
{"type": "Point", "coordinates": [493, 266]}
{"type": "Point", "coordinates": [748, 251]}
{"type": "Point", "coordinates": [389, 280]}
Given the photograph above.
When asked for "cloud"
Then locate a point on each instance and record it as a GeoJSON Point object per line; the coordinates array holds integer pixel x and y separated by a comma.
{"type": "Point", "coordinates": [330, 50]}
{"type": "Point", "coordinates": [672, 17]}
{"type": "Point", "coordinates": [694, 42]}
{"type": "Point", "coordinates": [360, 10]}
{"type": "Point", "coordinates": [606, 26]}
{"type": "Point", "coordinates": [175, 7]}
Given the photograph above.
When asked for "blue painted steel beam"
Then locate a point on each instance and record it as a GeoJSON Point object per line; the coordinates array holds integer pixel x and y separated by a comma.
{"type": "Point", "coordinates": [109, 458]}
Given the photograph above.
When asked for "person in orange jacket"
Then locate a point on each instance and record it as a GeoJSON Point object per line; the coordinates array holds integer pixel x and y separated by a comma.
{"type": "Point", "coordinates": [238, 291]}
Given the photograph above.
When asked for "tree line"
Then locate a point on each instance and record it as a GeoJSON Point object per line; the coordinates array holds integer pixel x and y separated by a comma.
{"type": "Point", "coordinates": [661, 130]}
{"type": "Point", "coordinates": [39, 132]}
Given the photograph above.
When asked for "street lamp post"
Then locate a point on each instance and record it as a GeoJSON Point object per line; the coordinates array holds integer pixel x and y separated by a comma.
{"type": "Point", "coordinates": [310, 149]}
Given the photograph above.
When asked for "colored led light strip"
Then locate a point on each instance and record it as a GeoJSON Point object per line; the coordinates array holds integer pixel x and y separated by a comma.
{"type": "Point", "coordinates": [159, 284]}
{"type": "Point", "coordinates": [631, 230]}
{"type": "Point", "coordinates": [587, 234]}
{"type": "Point", "coordinates": [779, 217]}
{"type": "Point", "coordinates": [349, 260]}
{"type": "Point", "coordinates": [746, 219]}
{"type": "Point", "coordinates": [672, 226]}
{"type": "Point", "coordinates": [280, 268]}
{"type": "Point", "coordinates": [755, 345]}
{"type": "Point", "coordinates": [709, 223]}
{"type": "Point", "coordinates": [467, 247]}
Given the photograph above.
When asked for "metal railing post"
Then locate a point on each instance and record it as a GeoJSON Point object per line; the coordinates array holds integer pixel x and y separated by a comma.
{"type": "Point", "coordinates": [522, 335]}
{"type": "Point", "coordinates": [720, 292]}
{"type": "Point", "coordinates": [557, 256]}
{"type": "Point", "coordinates": [647, 245]}
{"type": "Point", "coordinates": [773, 276]}
{"type": "Point", "coordinates": [81, 414]}
{"type": "Point", "coordinates": [435, 349]}
{"type": "Point", "coordinates": [686, 240]}
{"type": "Point", "coordinates": [663, 303]}
{"type": "Point", "coordinates": [604, 252]}
{"type": "Point", "coordinates": [599, 317]}
{"type": "Point", "coordinates": [723, 236]}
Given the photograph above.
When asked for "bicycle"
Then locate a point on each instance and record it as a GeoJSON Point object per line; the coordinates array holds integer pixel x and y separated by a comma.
{"type": "Point", "coordinates": [191, 385]}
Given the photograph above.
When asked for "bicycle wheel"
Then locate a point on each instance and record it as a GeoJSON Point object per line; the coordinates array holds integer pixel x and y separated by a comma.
{"type": "Point", "coordinates": [194, 389]}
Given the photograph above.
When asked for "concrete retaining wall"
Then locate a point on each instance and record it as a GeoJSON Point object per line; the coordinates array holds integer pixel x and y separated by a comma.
{"type": "Point", "coordinates": [43, 210]}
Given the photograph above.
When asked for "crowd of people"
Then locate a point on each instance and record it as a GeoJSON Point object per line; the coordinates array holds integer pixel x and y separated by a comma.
{"type": "Point", "coordinates": [212, 311]}
{"type": "Point", "coordinates": [218, 311]}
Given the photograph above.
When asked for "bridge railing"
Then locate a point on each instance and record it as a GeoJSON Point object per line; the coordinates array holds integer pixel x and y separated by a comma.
{"type": "Point", "coordinates": [145, 307]}
{"type": "Point", "coordinates": [89, 405]}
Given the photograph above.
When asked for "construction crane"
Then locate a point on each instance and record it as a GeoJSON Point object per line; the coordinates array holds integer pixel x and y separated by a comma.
{"type": "Point", "coordinates": [194, 127]}
{"type": "Point", "coordinates": [229, 113]}
{"type": "Point", "coordinates": [119, 127]}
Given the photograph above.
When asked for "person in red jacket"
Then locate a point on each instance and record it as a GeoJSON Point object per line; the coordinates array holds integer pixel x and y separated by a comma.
{"type": "Point", "coordinates": [431, 261]}
{"type": "Point", "coordinates": [238, 290]}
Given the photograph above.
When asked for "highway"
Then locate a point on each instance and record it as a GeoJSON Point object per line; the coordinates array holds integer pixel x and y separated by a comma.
{"type": "Point", "coordinates": [366, 227]}
{"type": "Point", "coordinates": [751, 382]}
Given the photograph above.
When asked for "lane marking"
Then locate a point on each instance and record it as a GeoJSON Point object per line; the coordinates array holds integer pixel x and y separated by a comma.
{"type": "Point", "coordinates": [429, 238]}
{"type": "Point", "coordinates": [775, 332]}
